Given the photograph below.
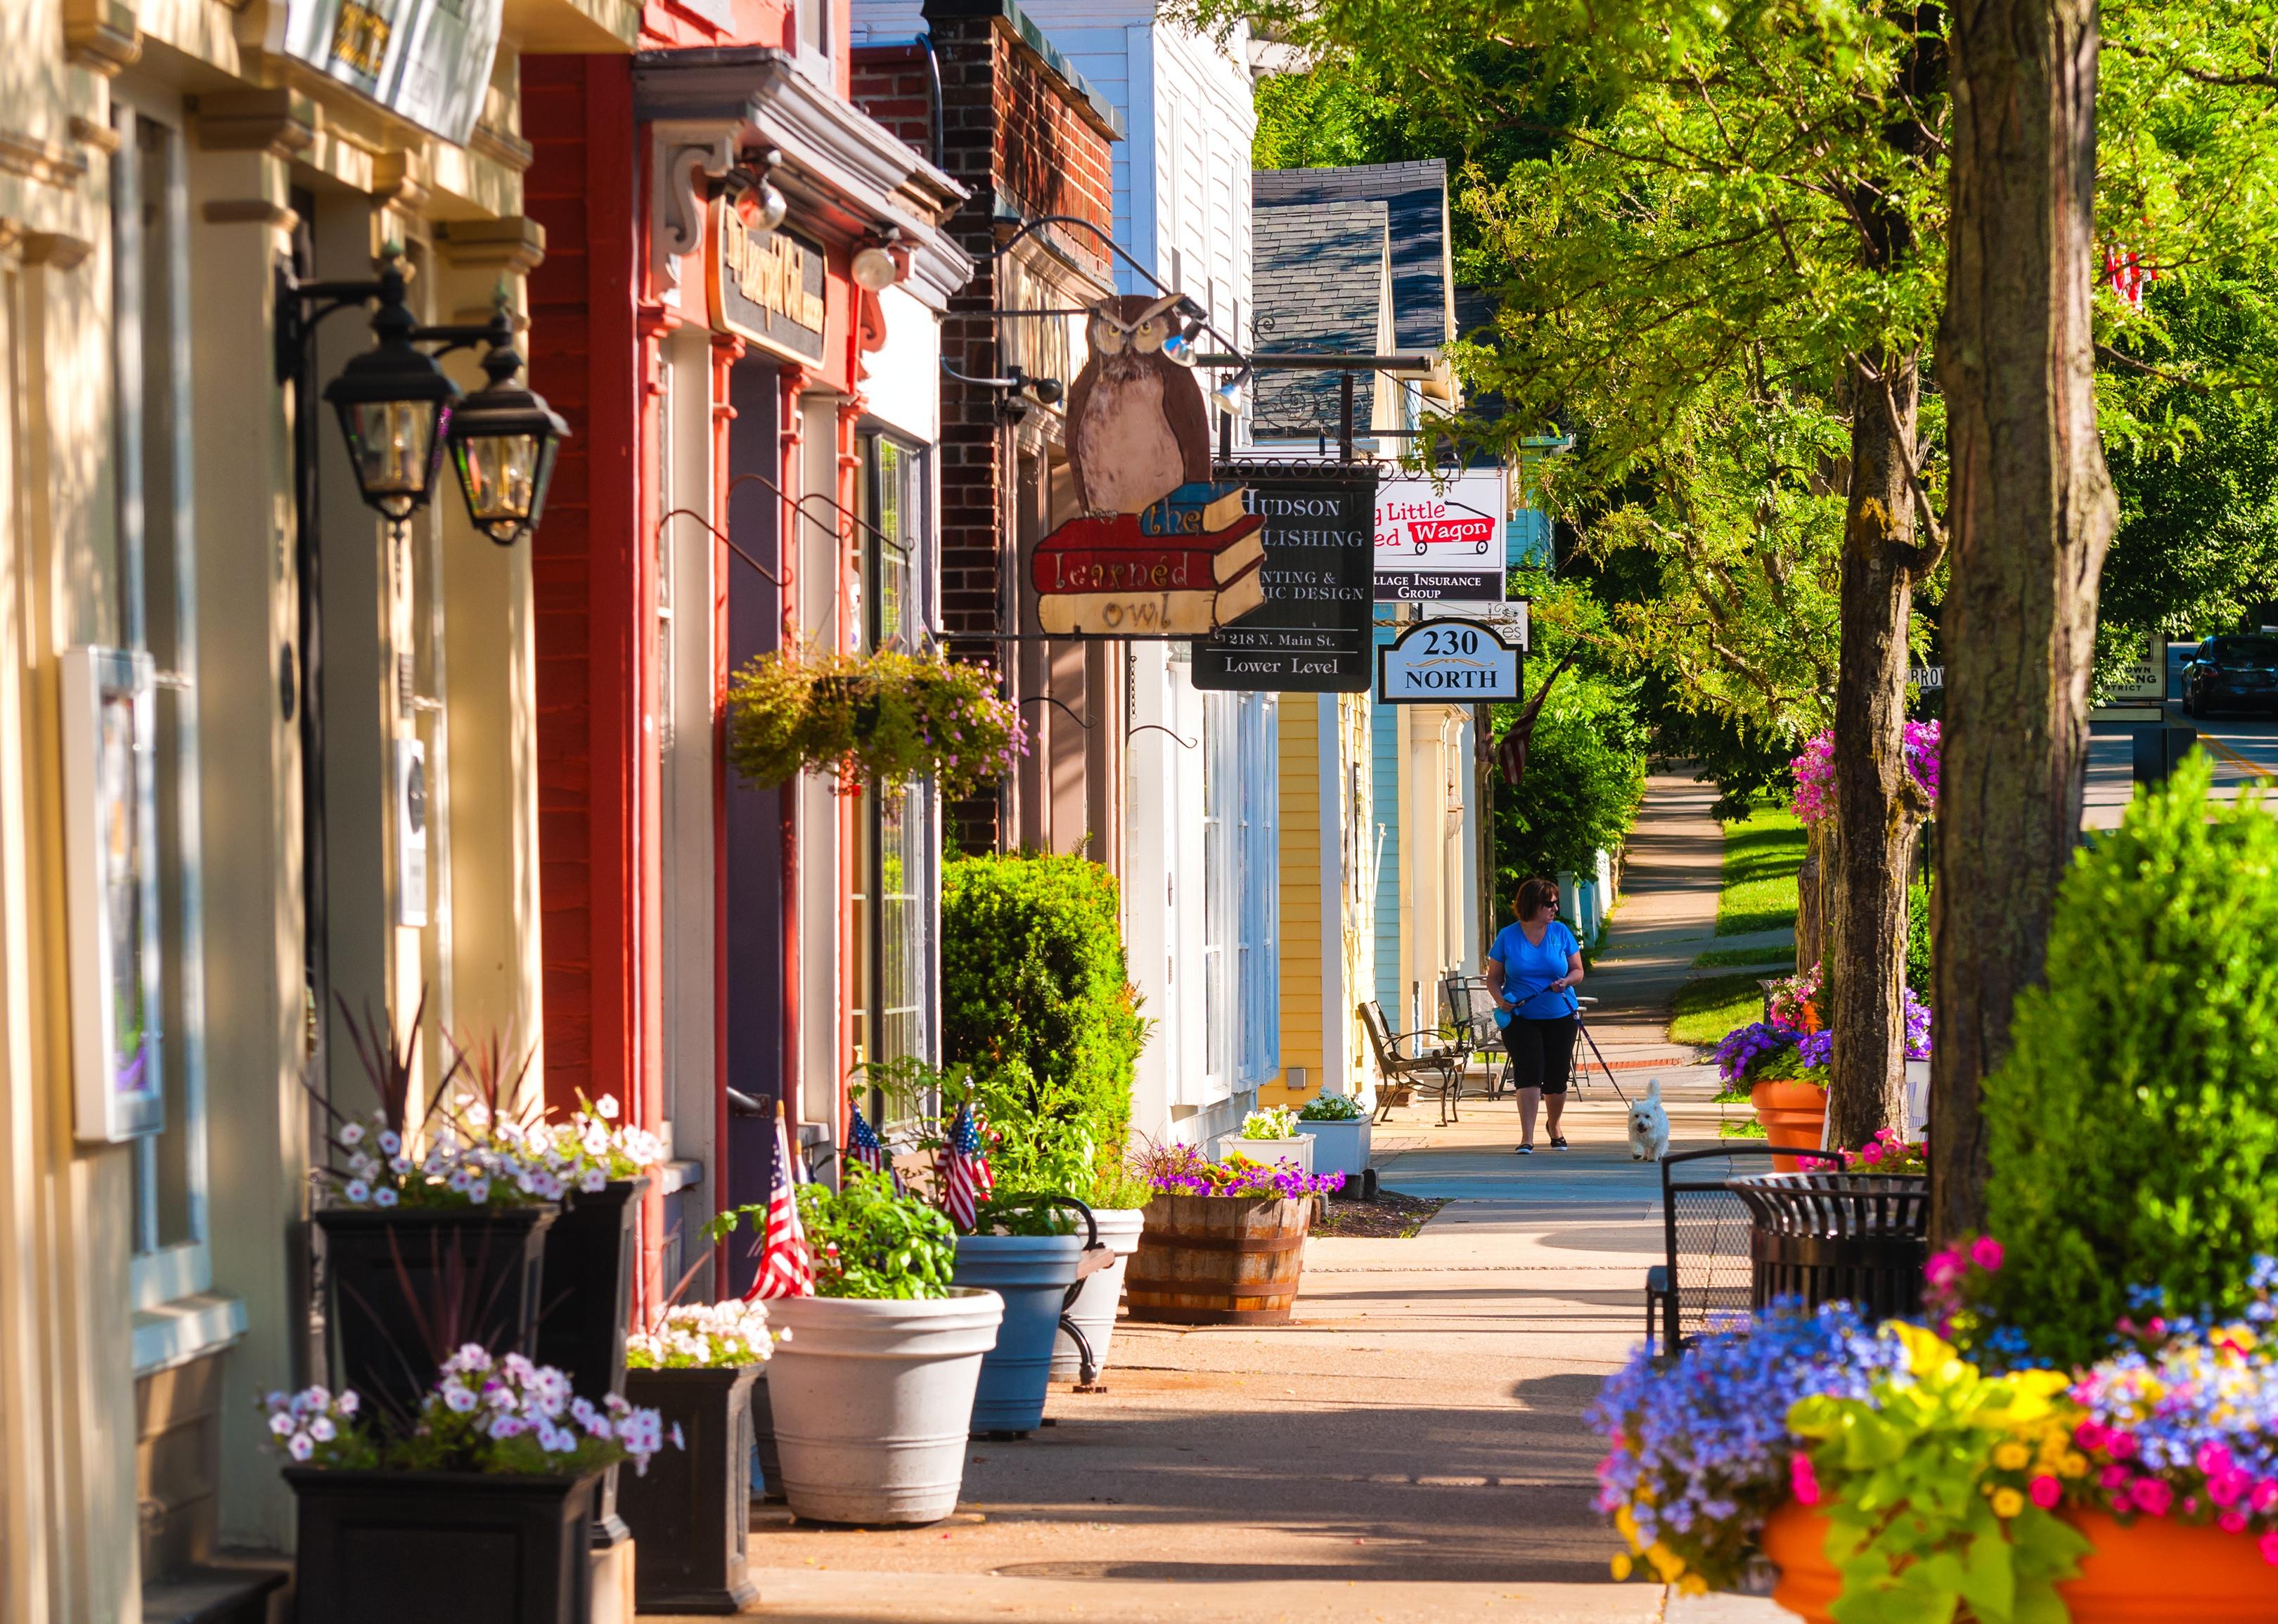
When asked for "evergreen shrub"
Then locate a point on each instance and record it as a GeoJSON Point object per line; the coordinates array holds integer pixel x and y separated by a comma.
{"type": "Point", "coordinates": [1033, 976]}
{"type": "Point", "coordinates": [2133, 1130]}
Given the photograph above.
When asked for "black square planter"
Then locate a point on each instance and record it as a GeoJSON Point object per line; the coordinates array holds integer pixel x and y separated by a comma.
{"type": "Point", "coordinates": [472, 1547]}
{"type": "Point", "coordinates": [587, 1301]}
{"type": "Point", "coordinates": [487, 1259]}
{"type": "Point", "coordinates": [691, 1514]}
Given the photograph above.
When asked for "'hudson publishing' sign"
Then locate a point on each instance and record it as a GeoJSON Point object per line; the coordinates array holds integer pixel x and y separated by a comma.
{"type": "Point", "coordinates": [1311, 635]}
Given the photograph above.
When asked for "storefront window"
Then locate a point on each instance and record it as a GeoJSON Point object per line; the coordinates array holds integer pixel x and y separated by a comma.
{"type": "Point", "coordinates": [155, 607]}
{"type": "Point", "coordinates": [896, 862]}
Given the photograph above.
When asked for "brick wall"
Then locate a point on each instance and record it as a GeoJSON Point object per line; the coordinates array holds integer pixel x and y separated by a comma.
{"type": "Point", "coordinates": [1024, 141]}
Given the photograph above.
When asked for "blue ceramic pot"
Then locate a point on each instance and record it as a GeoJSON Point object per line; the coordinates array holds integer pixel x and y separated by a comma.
{"type": "Point", "coordinates": [1032, 1274]}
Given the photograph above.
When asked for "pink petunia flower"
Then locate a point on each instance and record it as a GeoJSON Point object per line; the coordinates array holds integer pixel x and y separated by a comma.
{"type": "Point", "coordinates": [1802, 1479]}
{"type": "Point", "coordinates": [2045, 1491]}
{"type": "Point", "coordinates": [2151, 1495]}
{"type": "Point", "coordinates": [2232, 1522]}
{"type": "Point", "coordinates": [1986, 1252]}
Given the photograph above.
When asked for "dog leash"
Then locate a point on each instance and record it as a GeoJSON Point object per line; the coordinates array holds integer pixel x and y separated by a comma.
{"type": "Point", "coordinates": [1503, 1018]}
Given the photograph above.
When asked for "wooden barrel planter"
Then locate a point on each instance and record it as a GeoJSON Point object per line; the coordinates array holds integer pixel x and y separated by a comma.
{"type": "Point", "coordinates": [1217, 1259]}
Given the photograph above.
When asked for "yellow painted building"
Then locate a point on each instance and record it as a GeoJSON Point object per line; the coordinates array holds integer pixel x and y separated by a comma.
{"type": "Point", "coordinates": [166, 495]}
{"type": "Point", "coordinates": [1327, 896]}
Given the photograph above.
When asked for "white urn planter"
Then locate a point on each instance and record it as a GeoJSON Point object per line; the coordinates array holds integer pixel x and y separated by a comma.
{"type": "Point", "coordinates": [873, 1402]}
{"type": "Point", "coordinates": [1339, 1146]}
{"type": "Point", "coordinates": [1096, 1298]}
{"type": "Point", "coordinates": [1269, 1151]}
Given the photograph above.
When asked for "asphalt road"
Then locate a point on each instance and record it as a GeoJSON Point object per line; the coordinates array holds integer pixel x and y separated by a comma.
{"type": "Point", "coordinates": [2244, 748]}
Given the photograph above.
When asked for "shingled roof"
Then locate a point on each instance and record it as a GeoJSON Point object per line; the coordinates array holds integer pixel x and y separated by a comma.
{"type": "Point", "coordinates": [1317, 279]}
{"type": "Point", "coordinates": [1415, 196]}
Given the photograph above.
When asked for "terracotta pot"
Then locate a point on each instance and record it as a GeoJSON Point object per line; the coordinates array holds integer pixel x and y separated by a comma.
{"type": "Point", "coordinates": [1795, 1115]}
{"type": "Point", "coordinates": [2148, 1572]}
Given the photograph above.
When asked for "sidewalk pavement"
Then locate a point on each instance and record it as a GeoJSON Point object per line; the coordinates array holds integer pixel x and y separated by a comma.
{"type": "Point", "coordinates": [1413, 1447]}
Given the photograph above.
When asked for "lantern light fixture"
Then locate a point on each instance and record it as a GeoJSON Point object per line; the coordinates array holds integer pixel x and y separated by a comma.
{"type": "Point", "coordinates": [394, 406]}
{"type": "Point", "coordinates": [503, 441]}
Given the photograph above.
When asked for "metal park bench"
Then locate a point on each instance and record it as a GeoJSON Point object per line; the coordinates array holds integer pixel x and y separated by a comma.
{"type": "Point", "coordinates": [1400, 1074]}
{"type": "Point", "coordinates": [1472, 1015]}
{"type": "Point", "coordinates": [1709, 1273]}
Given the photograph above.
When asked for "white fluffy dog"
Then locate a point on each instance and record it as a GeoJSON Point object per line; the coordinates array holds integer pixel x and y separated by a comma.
{"type": "Point", "coordinates": [1648, 1125]}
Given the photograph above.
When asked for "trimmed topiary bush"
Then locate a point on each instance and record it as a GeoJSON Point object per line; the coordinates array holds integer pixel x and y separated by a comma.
{"type": "Point", "coordinates": [2133, 1131]}
{"type": "Point", "coordinates": [1033, 972]}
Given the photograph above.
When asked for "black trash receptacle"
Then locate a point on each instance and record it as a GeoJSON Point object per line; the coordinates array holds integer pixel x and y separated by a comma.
{"type": "Point", "coordinates": [1822, 1237]}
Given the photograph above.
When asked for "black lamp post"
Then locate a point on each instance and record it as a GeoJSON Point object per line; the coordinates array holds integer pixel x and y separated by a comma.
{"type": "Point", "coordinates": [503, 441]}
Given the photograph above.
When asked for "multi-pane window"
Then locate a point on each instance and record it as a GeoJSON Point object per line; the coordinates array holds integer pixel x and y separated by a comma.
{"type": "Point", "coordinates": [895, 821]}
{"type": "Point", "coordinates": [155, 609]}
{"type": "Point", "coordinates": [1221, 798]}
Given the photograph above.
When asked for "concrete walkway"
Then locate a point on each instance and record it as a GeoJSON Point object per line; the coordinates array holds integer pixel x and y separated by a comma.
{"type": "Point", "coordinates": [1413, 1447]}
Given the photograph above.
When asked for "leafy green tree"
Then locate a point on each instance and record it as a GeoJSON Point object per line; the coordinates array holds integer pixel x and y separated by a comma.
{"type": "Point", "coordinates": [1584, 781]}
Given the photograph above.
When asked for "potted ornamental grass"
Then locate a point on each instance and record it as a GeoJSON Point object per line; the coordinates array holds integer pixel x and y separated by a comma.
{"type": "Point", "coordinates": [872, 1384]}
{"type": "Point", "coordinates": [430, 1240]}
{"type": "Point", "coordinates": [1338, 1125]}
{"type": "Point", "coordinates": [477, 1505]}
{"type": "Point", "coordinates": [696, 1367]}
{"type": "Point", "coordinates": [2086, 1427]}
{"type": "Point", "coordinates": [1271, 1136]}
{"type": "Point", "coordinates": [1223, 1242]}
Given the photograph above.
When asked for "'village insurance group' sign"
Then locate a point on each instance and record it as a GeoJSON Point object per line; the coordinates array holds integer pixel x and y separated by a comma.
{"type": "Point", "coordinates": [1312, 634]}
{"type": "Point", "coordinates": [766, 287]}
{"type": "Point", "coordinates": [1442, 539]}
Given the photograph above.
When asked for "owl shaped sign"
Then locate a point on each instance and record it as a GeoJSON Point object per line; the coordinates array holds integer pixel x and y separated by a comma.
{"type": "Point", "coordinates": [1158, 548]}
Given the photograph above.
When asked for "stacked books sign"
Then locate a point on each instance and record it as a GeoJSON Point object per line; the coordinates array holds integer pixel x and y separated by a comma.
{"type": "Point", "coordinates": [1182, 566]}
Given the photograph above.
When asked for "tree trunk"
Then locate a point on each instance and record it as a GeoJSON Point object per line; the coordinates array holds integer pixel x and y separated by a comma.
{"type": "Point", "coordinates": [2030, 514]}
{"type": "Point", "coordinates": [1878, 805]}
{"type": "Point", "coordinates": [1810, 921]}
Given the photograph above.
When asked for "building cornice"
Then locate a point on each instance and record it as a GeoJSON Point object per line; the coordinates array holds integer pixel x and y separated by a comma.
{"type": "Point", "coordinates": [852, 174]}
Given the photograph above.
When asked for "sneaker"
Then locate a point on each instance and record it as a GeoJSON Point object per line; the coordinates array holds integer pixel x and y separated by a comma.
{"type": "Point", "coordinates": [1526, 1150]}
{"type": "Point", "coordinates": [1557, 1141]}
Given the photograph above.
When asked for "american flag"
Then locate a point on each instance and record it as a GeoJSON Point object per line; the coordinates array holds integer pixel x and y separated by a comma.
{"type": "Point", "coordinates": [965, 1175]}
{"type": "Point", "coordinates": [863, 1144]}
{"type": "Point", "coordinates": [786, 1266]}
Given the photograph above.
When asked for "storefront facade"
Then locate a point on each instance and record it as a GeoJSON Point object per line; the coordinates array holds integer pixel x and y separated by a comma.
{"type": "Point", "coordinates": [759, 473]}
{"type": "Point", "coordinates": [339, 807]}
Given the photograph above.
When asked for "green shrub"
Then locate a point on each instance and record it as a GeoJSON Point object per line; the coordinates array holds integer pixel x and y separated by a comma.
{"type": "Point", "coordinates": [1918, 975]}
{"type": "Point", "coordinates": [1033, 972]}
{"type": "Point", "coordinates": [2133, 1128]}
{"type": "Point", "coordinates": [1585, 781]}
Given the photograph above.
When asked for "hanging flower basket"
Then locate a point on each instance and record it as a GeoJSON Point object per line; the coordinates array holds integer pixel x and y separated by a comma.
{"type": "Point", "coordinates": [886, 715]}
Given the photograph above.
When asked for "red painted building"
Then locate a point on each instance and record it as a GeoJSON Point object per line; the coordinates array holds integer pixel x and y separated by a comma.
{"type": "Point", "coordinates": [754, 459]}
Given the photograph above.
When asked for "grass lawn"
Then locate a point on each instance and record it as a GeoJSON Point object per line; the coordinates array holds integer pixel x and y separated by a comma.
{"type": "Point", "coordinates": [1762, 853]}
{"type": "Point", "coordinates": [1706, 1009]}
{"type": "Point", "coordinates": [1745, 955]}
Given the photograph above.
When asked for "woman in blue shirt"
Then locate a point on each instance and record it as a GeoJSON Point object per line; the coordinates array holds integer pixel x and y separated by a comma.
{"type": "Point", "coordinates": [1530, 970]}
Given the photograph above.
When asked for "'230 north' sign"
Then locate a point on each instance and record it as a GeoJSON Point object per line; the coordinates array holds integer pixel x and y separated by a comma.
{"type": "Point", "coordinates": [1446, 662]}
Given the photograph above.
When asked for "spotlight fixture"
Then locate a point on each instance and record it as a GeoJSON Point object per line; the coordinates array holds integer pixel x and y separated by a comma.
{"type": "Point", "coordinates": [751, 189]}
{"type": "Point", "coordinates": [1229, 390]}
{"type": "Point", "coordinates": [881, 260]}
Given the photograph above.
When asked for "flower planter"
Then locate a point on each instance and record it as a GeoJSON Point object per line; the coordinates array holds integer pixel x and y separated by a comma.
{"type": "Point", "coordinates": [585, 1304]}
{"type": "Point", "coordinates": [1032, 1273]}
{"type": "Point", "coordinates": [2148, 1572]}
{"type": "Point", "coordinates": [382, 1547]}
{"type": "Point", "coordinates": [873, 1402]}
{"type": "Point", "coordinates": [1339, 1146]}
{"type": "Point", "coordinates": [473, 1268]}
{"type": "Point", "coordinates": [1096, 1298]}
{"type": "Point", "coordinates": [1269, 1151]}
{"type": "Point", "coordinates": [1795, 1115]}
{"type": "Point", "coordinates": [691, 1514]}
{"type": "Point", "coordinates": [763, 1439]}
{"type": "Point", "coordinates": [1218, 1260]}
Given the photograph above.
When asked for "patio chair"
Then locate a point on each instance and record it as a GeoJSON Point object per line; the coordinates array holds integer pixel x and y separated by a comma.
{"type": "Point", "coordinates": [1471, 1014]}
{"type": "Point", "coordinates": [1709, 1271]}
{"type": "Point", "coordinates": [1435, 1068]}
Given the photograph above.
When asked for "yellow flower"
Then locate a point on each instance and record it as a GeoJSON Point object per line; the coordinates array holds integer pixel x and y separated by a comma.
{"type": "Point", "coordinates": [1693, 1584]}
{"type": "Point", "coordinates": [2008, 1503]}
{"type": "Point", "coordinates": [2074, 1465]}
{"type": "Point", "coordinates": [1665, 1562]}
{"type": "Point", "coordinates": [1625, 1522]}
{"type": "Point", "coordinates": [1623, 1567]}
{"type": "Point", "coordinates": [2012, 1456]}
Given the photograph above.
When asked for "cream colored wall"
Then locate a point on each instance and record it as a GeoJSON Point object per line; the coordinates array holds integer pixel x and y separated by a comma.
{"type": "Point", "coordinates": [1304, 904]}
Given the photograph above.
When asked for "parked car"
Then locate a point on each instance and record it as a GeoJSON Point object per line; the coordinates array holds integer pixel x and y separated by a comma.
{"type": "Point", "coordinates": [2239, 672]}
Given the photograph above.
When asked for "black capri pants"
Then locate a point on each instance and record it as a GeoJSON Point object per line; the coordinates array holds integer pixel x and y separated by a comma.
{"type": "Point", "coordinates": [1542, 1052]}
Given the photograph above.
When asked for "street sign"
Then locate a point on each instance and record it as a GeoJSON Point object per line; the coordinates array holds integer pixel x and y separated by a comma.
{"type": "Point", "coordinates": [1439, 539]}
{"type": "Point", "coordinates": [1313, 632]}
{"type": "Point", "coordinates": [1446, 662]}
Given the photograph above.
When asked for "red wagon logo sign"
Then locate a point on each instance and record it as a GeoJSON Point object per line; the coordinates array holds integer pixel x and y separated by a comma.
{"type": "Point", "coordinates": [1471, 535]}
